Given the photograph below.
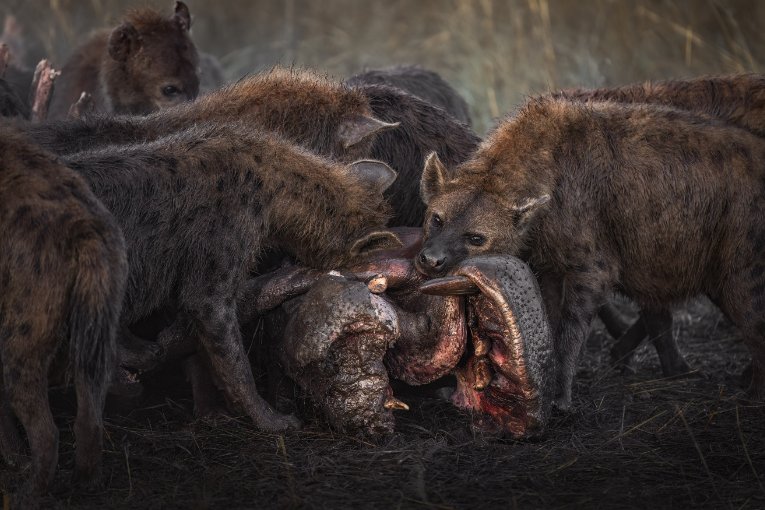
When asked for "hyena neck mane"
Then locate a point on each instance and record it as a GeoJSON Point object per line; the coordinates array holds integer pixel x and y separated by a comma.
{"type": "Point", "coordinates": [302, 106]}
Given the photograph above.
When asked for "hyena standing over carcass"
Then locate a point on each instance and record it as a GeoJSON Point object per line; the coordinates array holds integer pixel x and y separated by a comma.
{"type": "Point", "coordinates": [659, 203]}
{"type": "Point", "coordinates": [145, 64]}
{"type": "Point", "coordinates": [197, 209]}
{"type": "Point", "coordinates": [62, 279]}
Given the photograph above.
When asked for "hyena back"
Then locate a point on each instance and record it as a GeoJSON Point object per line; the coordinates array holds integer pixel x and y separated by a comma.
{"type": "Point", "coordinates": [304, 107]}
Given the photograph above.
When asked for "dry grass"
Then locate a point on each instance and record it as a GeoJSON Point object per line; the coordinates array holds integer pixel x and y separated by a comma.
{"type": "Point", "coordinates": [634, 441]}
{"type": "Point", "coordinates": [494, 51]}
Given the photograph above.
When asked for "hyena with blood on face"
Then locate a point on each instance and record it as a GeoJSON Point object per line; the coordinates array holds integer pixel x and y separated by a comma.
{"type": "Point", "coordinates": [62, 279]}
{"type": "Point", "coordinates": [660, 203]}
{"type": "Point", "coordinates": [198, 207]}
{"type": "Point", "coordinates": [738, 99]}
{"type": "Point", "coordinates": [313, 111]}
{"type": "Point", "coordinates": [146, 63]}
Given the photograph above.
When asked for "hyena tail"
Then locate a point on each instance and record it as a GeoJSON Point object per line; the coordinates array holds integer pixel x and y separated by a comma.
{"type": "Point", "coordinates": [94, 314]}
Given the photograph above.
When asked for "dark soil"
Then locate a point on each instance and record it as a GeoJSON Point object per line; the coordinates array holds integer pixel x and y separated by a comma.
{"type": "Point", "coordinates": [631, 441]}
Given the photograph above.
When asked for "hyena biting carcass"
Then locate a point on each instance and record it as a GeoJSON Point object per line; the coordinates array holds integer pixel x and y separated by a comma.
{"type": "Point", "coordinates": [198, 207]}
{"type": "Point", "coordinates": [659, 203]}
{"type": "Point", "coordinates": [146, 63]}
{"type": "Point", "coordinates": [62, 279]}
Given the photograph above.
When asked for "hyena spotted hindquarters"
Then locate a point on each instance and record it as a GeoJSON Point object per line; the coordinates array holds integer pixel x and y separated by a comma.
{"type": "Point", "coordinates": [62, 279]}
{"type": "Point", "coordinates": [146, 63]}
{"type": "Point", "coordinates": [198, 207]}
{"type": "Point", "coordinates": [658, 202]}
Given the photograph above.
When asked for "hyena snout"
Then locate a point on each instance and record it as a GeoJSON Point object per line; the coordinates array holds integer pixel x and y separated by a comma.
{"type": "Point", "coordinates": [431, 261]}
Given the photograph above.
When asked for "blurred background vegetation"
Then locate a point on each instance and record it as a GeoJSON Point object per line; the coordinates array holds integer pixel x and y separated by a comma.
{"type": "Point", "coordinates": [494, 52]}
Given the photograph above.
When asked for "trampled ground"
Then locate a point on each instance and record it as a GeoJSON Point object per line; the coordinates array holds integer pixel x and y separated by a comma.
{"type": "Point", "coordinates": [632, 441]}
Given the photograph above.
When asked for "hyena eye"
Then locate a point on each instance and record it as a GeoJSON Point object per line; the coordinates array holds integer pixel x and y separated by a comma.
{"type": "Point", "coordinates": [476, 239]}
{"type": "Point", "coordinates": [436, 221]}
{"type": "Point", "coordinates": [170, 90]}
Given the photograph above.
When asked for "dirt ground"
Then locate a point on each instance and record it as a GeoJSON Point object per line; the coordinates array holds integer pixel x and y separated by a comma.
{"type": "Point", "coordinates": [631, 441]}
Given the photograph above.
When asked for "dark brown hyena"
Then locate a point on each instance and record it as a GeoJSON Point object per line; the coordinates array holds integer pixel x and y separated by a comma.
{"type": "Point", "coordinates": [426, 84]}
{"type": "Point", "coordinates": [738, 99]}
{"type": "Point", "coordinates": [146, 63]}
{"type": "Point", "coordinates": [198, 207]}
{"type": "Point", "coordinates": [660, 203]}
{"type": "Point", "coordinates": [62, 279]}
{"type": "Point", "coordinates": [422, 129]}
{"type": "Point", "coordinates": [306, 108]}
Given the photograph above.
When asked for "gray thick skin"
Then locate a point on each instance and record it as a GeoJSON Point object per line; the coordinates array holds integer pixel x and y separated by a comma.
{"type": "Point", "coordinates": [509, 316]}
{"type": "Point", "coordinates": [333, 346]}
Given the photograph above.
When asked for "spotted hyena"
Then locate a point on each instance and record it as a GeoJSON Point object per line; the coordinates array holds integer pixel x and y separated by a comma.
{"type": "Point", "coordinates": [199, 206]}
{"type": "Point", "coordinates": [62, 279]}
{"type": "Point", "coordinates": [738, 99]}
{"type": "Point", "coordinates": [146, 63]}
{"type": "Point", "coordinates": [659, 203]}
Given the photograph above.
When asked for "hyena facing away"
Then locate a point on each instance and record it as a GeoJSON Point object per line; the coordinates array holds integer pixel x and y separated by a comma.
{"type": "Point", "coordinates": [660, 203]}
{"type": "Point", "coordinates": [62, 279]}
{"type": "Point", "coordinates": [146, 63]}
{"type": "Point", "coordinates": [198, 207]}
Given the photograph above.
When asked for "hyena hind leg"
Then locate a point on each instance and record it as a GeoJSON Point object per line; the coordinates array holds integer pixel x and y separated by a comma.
{"type": "Point", "coordinates": [27, 390]}
{"type": "Point", "coordinates": [743, 301]}
{"type": "Point", "coordinates": [11, 446]}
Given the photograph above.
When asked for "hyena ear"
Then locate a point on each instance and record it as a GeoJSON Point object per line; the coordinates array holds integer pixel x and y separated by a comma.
{"type": "Point", "coordinates": [124, 41]}
{"type": "Point", "coordinates": [526, 210]}
{"type": "Point", "coordinates": [373, 173]}
{"type": "Point", "coordinates": [359, 128]}
{"type": "Point", "coordinates": [374, 241]}
{"type": "Point", "coordinates": [182, 16]}
{"type": "Point", "coordinates": [433, 177]}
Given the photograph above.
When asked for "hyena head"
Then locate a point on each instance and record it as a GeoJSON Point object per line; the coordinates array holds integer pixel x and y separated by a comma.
{"type": "Point", "coordinates": [151, 62]}
{"type": "Point", "coordinates": [467, 217]}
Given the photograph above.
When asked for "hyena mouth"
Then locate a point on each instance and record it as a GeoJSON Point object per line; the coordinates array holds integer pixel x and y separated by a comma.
{"type": "Point", "coordinates": [505, 378]}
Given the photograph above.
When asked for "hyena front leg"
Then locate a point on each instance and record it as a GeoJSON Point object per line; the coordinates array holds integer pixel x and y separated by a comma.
{"type": "Point", "coordinates": [582, 296]}
{"type": "Point", "coordinates": [213, 311]}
